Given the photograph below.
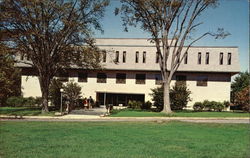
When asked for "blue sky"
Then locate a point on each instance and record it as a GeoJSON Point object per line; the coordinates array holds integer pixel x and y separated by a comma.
{"type": "Point", "coordinates": [232, 15]}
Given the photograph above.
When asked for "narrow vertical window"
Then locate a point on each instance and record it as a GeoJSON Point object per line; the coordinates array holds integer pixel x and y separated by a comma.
{"type": "Point", "coordinates": [136, 57]}
{"type": "Point", "coordinates": [207, 58]}
{"type": "Point", "coordinates": [140, 78]}
{"type": "Point", "coordinates": [157, 57]}
{"type": "Point", "coordinates": [124, 57]}
{"type": "Point", "coordinates": [229, 58]}
{"type": "Point", "coordinates": [186, 58]}
{"type": "Point", "coordinates": [117, 56]}
{"type": "Point", "coordinates": [104, 55]}
{"type": "Point", "coordinates": [199, 58]}
{"type": "Point", "coordinates": [144, 57]}
{"type": "Point", "coordinates": [221, 58]}
{"type": "Point", "coordinates": [158, 79]}
{"type": "Point", "coordinates": [101, 78]}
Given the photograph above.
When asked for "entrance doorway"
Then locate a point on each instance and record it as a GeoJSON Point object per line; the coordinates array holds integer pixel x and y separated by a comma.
{"type": "Point", "coordinates": [118, 99]}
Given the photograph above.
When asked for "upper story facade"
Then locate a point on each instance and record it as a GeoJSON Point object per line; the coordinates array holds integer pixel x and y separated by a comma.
{"type": "Point", "coordinates": [139, 54]}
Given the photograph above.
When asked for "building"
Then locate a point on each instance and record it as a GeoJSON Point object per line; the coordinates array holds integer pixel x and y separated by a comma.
{"type": "Point", "coordinates": [132, 70]}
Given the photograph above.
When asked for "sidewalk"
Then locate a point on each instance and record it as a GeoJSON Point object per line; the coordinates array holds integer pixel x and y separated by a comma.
{"type": "Point", "coordinates": [95, 118]}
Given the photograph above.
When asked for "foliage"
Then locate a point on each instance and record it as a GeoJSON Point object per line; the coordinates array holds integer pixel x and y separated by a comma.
{"type": "Point", "coordinates": [54, 92]}
{"type": "Point", "coordinates": [134, 104]}
{"type": "Point", "coordinates": [24, 111]}
{"type": "Point", "coordinates": [10, 84]}
{"type": "Point", "coordinates": [240, 82]}
{"type": "Point", "coordinates": [147, 105]}
{"type": "Point", "coordinates": [157, 97]}
{"type": "Point", "coordinates": [52, 34]}
{"type": "Point", "coordinates": [23, 102]}
{"type": "Point", "coordinates": [72, 92]}
{"type": "Point", "coordinates": [179, 96]}
{"type": "Point", "coordinates": [170, 24]}
{"type": "Point", "coordinates": [242, 99]}
{"type": "Point", "coordinates": [198, 106]}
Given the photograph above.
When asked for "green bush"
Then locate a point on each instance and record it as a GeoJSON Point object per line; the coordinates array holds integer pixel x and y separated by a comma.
{"type": "Point", "coordinates": [21, 101]}
{"type": "Point", "coordinates": [134, 104]}
{"type": "Point", "coordinates": [218, 106]}
{"type": "Point", "coordinates": [179, 96]}
{"type": "Point", "coordinates": [198, 106]}
{"type": "Point", "coordinates": [157, 97]}
{"type": "Point", "coordinates": [147, 105]}
{"type": "Point", "coordinates": [54, 93]}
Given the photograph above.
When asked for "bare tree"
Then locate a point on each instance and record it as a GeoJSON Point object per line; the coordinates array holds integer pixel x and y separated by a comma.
{"type": "Point", "coordinates": [170, 24]}
{"type": "Point", "coordinates": [52, 33]}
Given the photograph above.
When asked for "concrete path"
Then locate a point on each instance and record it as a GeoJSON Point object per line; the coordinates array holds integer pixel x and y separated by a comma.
{"type": "Point", "coordinates": [95, 118]}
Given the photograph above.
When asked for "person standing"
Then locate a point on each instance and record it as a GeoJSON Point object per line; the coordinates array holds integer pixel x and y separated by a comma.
{"type": "Point", "coordinates": [90, 102]}
{"type": "Point", "coordinates": [85, 103]}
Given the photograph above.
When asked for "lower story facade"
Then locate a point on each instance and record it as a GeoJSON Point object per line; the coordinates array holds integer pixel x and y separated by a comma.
{"type": "Point", "coordinates": [118, 87]}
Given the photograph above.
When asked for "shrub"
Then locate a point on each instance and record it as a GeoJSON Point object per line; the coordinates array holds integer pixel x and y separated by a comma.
{"type": "Point", "coordinates": [134, 104]}
{"type": "Point", "coordinates": [179, 96]}
{"type": "Point", "coordinates": [242, 99]}
{"type": "Point", "coordinates": [208, 105]}
{"type": "Point", "coordinates": [218, 106]}
{"type": "Point", "coordinates": [30, 101]}
{"type": "Point", "coordinates": [198, 106]}
{"type": "Point", "coordinates": [226, 104]}
{"type": "Point", "coordinates": [157, 97]}
{"type": "Point", "coordinates": [54, 93]}
{"type": "Point", "coordinates": [15, 101]}
{"type": "Point", "coordinates": [147, 105]}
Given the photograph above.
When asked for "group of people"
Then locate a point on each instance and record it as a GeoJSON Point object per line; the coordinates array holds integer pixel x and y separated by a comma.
{"type": "Point", "coordinates": [88, 103]}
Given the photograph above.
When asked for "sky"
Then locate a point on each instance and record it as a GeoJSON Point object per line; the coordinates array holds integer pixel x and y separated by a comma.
{"type": "Point", "coordinates": [232, 15]}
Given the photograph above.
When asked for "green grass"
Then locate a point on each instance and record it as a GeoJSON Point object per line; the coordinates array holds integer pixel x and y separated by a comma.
{"type": "Point", "coordinates": [24, 111]}
{"type": "Point", "coordinates": [141, 113]}
{"type": "Point", "coordinates": [123, 140]}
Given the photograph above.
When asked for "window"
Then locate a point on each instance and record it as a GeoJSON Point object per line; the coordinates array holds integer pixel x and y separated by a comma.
{"type": "Point", "coordinates": [101, 78]}
{"type": "Point", "coordinates": [158, 79]}
{"type": "Point", "coordinates": [117, 56]}
{"type": "Point", "coordinates": [186, 58]}
{"type": "Point", "coordinates": [144, 57]}
{"type": "Point", "coordinates": [124, 57]}
{"type": "Point", "coordinates": [202, 81]}
{"type": "Point", "coordinates": [140, 78]}
{"type": "Point", "coordinates": [136, 57]}
{"type": "Point", "coordinates": [82, 77]}
{"type": "Point", "coordinates": [63, 77]}
{"type": "Point", "coordinates": [104, 55]}
{"type": "Point", "coordinates": [221, 58]}
{"type": "Point", "coordinates": [199, 58]}
{"type": "Point", "coordinates": [207, 58]}
{"type": "Point", "coordinates": [157, 57]}
{"type": "Point", "coordinates": [181, 79]}
{"type": "Point", "coordinates": [121, 78]}
{"type": "Point", "coordinates": [229, 58]}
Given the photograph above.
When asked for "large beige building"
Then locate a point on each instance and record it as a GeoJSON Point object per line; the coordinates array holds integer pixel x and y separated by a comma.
{"type": "Point", "coordinates": [132, 70]}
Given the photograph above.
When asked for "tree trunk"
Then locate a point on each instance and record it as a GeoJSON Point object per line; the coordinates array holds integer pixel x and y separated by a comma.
{"type": "Point", "coordinates": [166, 98]}
{"type": "Point", "coordinates": [44, 85]}
{"type": "Point", "coordinates": [45, 96]}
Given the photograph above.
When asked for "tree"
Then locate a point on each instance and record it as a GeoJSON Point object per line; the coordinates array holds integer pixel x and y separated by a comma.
{"type": "Point", "coordinates": [55, 93]}
{"type": "Point", "coordinates": [51, 33]}
{"type": "Point", "coordinates": [242, 99]}
{"type": "Point", "coordinates": [170, 24]}
{"type": "Point", "coordinates": [240, 82]}
{"type": "Point", "coordinates": [9, 75]}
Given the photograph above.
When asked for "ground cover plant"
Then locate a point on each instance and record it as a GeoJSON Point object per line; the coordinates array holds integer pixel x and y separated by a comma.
{"type": "Point", "coordinates": [25, 111]}
{"type": "Point", "coordinates": [123, 140]}
{"type": "Point", "coordinates": [183, 113]}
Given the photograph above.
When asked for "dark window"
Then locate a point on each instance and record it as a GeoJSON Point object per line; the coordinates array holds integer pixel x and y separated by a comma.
{"type": "Point", "coordinates": [104, 56]}
{"type": "Point", "coordinates": [82, 77]}
{"type": "Point", "coordinates": [63, 77]}
{"type": "Point", "coordinates": [207, 58]}
{"type": "Point", "coordinates": [199, 58]}
{"type": "Point", "coordinates": [144, 57]}
{"type": "Point", "coordinates": [221, 58]}
{"type": "Point", "coordinates": [157, 57]}
{"type": "Point", "coordinates": [202, 81]}
{"type": "Point", "coordinates": [229, 58]}
{"type": "Point", "coordinates": [101, 78]}
{"type": "Point", "coordinates": [121, 78]}
{"type": "Point", "coordinates": [117, 56]}
{"type": "Point", "coordinates": [158, 79]}
{"type": "Point", "coordinates": [140, 78]}
{"type": "Point", "coordinates": [186, 58]}
{"type": "Point", "coordinates": [181, 79]}
{"type": "Point", "coordinates": [136, 57]}
{"type": "Point", "coordinates": [124, 57]}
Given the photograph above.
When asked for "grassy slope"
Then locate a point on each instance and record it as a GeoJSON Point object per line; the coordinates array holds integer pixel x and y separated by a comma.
{"type": "Point", "coordinates": [138, 113]}
{"type": "Point", "coordinates": [24, 111]}
{"type": "Point", "coordinates": [122, 140]}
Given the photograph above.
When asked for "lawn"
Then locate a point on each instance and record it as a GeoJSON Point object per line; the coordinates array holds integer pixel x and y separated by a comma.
{"type": "Point", "coordinates": [24, 111]}
{"type": "Point", "coordinates": [123, 140]}
{"type": "Point", "coordinates": [141, 113]}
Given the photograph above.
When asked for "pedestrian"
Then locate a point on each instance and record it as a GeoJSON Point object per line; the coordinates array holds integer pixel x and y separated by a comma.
{"type": "Point", "coordinates": [90, 102]}
{"type": "Point", "coordinates": [85, 103]}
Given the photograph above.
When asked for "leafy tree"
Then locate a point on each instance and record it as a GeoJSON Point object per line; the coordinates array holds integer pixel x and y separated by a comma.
{"type": "Point", "coordinates": [72, 91]}
{"type": "Point", "coordinates": [157, 97]}
{"type": "Point", "coordinates": [51, 33]}
{"type": "Point", "coordinates": [168, 19]}
{"type": "Point", "coordinates": [240, 82]}
{"type": "Point", "coordinates": [242, 99]}
{"type": "Point", "coordinates": [9, 75]}
{"type": "Point", "coordinates": [54, 92]}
